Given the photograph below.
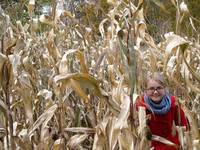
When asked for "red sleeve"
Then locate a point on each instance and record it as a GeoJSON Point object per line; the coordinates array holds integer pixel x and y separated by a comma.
{"type": "Point", "coordinates": [140, 102]}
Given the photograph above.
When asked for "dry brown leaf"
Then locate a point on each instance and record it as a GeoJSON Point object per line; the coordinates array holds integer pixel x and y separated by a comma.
{"type": "Point", "coordinates": [85, 80]}
{"type": "Point", "coordinates": [101, 138]}
{"type": "Point", "coordinates": [192, 86]}
{"type": "Point", "coordinates": [4, 108]}
{"type": "Point", "coordinates": [52, 48]}
{"type": "Point", "coordinates": [109, 107]}
{"type": "Point", "coordinates": [126, 139]}
{"type": "Point", "coordinates": [45, 139]}
{"type": "Point", "coordinates": [99, 142]}
{"type": "Point", "coordinates": [195, 74]}
{"type": "Point", "coordinates": [31, 6]}
{"type": "Point", "coordinates": [142, 119]}
{"type": "Point", "coordinates": [192, 24]}
{"type": "Point", "coordinates": [25, 92]}
{"type": "Point", "coordinates": [3, 59]}
{"type": "Point", "coordinates": [80, 130]}
{"type": "Point", "coordinates": [163, 140]}
{"type": "Point", "coordinates": [58, 144]}
{"type": "Point", "coordinates": [113, 2]}
{"type": "Point", "coordinates": [80, 56]}
{"type": "Point", "coordinates": [101, 27]}
{"type": "Point", "coordinates": [117, 124]}
{"type": "Point", "coordinates": [63, 67]}
{"type": "Point", "coordinates": [174, 41]}
{"type": "Point", "coordinates": [75, 140]}
{"type": "Point", "coordinates": [24, 140]}
{"type": "Point", "coordinates": [161, 5]}
{"type": "Point", "coordinates": [77, 88]}
{"type": "Point", "coordinates": [43, 119]}
{"type": "Point", "coordinates": [15, 61]}
{"type": "Point", "coordinates": [141, 29]}
{"type": "Point", "coordinates": [27, 101]}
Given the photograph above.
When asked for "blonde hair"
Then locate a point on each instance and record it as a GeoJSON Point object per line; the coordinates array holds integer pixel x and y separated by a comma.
{"type": "Point", "coordinates": [157, 76]}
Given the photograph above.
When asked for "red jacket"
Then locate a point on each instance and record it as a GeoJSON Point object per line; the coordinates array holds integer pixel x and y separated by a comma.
{"type": "Point", "coordinates": [162, 125]}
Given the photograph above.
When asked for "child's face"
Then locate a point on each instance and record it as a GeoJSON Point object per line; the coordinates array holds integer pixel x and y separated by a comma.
{"type": "Point", "coordinates": [155, 91]}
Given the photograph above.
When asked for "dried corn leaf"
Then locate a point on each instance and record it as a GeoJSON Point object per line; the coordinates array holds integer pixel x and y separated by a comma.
{"type": "Point", "coordinates": [141, 28]}
{"type": "Point", "coordinates": [192, 86]}
{"type": "Point", "coordinates": [174, 41]}
{"type": "Point", "coordinates": [43, 119]}
{"type": "Point", "coordinates": [58, 144]}
{"type": "Point", "coordinates": [142, 118]}
{"type": "Point", "coordinates": [80, 130]}
{"type": "Point", "coordinates": [112, 2]}
{"type": "Point", "coordinates": [31, 6]}
{"type": "Point", "coordinates": [3, 59]}
{"type": "Point", "coordinates": [75, 140]}
{"type": "Point", "coordinates": [52, 48]}
{"type": "Point", "coordinates": [193, 119]}
{"type": "Point", "coordinates": [27, 101]}
{"type": "Point", "coordinates": [101, 28]}
{"type": "Point", "coordinates": [117, 124]}
{"type": "Point", "coordinates": [195, 74]}
{"type": "Point", "coordinates": [63, 67]}
{"type": "Point", "coordinates": [23, 141]}
{"type": "Point", "coordinates": [85, 81]}
{"type": "Point", "coordinates": [101, 138]}
{"type": "Point", "coordinates": [4, 108]}
{"type": "Point", "coordinates": [163, 140]}
{"type": "Point", "coordinates": [15, 60]}
{"type": "Point", "coordinates": [161, 5]}
{"type": "Point", "coordinates": [99, 142]}
{"type": "Point", "coordinates": [80, 56]}
{"type": "Point", "coordinates": [126, 140]}
{"type": "Point", "coordinates": [77, 88]}
{"type": "Point", "coordinates": [45, 139]}
{"type": "Point", "coordinates": [192, 24]}
{"type": "Point", "coordinates": [173, 2]}
{"type": "Point", "coordinates": [125, 22]}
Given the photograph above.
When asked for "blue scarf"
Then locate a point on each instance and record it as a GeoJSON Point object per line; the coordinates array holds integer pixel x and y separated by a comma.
{"type": "Point", "coordinates": [159, 109]}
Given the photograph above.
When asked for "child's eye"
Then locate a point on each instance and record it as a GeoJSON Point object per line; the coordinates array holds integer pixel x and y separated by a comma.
{"type": "Point", "coordinates": [153, 89]}
{"type": "Point", "coordinates": [159, 88]}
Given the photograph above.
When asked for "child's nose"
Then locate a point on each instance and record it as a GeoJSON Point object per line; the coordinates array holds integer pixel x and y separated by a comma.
{"type": "Point", "coordinates": [155, 91]}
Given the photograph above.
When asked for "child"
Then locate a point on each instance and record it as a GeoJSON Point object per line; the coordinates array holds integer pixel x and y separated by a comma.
{"type": "Point", "coordinates": [162, 111]}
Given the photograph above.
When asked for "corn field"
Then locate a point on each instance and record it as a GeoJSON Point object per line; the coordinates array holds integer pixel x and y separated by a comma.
{"type": "Point", "coordinates": [65, 85]}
